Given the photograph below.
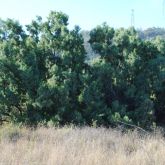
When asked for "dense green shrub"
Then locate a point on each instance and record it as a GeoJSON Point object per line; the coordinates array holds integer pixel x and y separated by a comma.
{"type": "Point", "coordinates": [44, 76]}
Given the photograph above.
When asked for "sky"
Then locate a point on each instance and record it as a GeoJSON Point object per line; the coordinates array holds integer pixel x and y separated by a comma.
{"type": "Point", "coordinates": [89, 13]}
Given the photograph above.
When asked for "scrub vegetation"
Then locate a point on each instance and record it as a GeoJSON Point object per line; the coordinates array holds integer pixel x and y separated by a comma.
{"type": "Point", "coordinates": [45, 77]}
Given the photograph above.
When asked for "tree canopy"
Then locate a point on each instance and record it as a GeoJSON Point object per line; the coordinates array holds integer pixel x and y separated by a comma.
{"type": "Point", "coordinates": [45, 78]}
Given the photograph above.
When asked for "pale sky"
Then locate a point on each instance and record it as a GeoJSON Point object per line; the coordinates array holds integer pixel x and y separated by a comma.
{"type": "Point", "coordinates": [89, 13]}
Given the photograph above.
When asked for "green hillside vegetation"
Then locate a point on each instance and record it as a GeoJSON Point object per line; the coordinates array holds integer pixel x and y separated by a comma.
{"type": "Point", "coordinates": [44, 76]}
{"type": "Point", "coordinates": [152, 33]}
{"type": "Point", "coordinates": [147, 34]}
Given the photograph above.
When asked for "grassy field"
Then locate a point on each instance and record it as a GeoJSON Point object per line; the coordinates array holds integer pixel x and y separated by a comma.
{"type": "Point", "coordinates": [79, 146]}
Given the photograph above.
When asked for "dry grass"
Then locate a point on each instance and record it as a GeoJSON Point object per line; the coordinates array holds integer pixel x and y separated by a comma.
{"type": "Point", "coordinates": [75, 146]}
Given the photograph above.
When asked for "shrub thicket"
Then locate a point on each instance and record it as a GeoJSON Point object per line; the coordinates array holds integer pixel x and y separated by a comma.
{"type": "Point", "coordinates": [44, 76]}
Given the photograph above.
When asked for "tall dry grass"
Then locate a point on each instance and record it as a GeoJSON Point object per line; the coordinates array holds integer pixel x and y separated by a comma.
{"type": "Point", "coordinates": [79, 146]}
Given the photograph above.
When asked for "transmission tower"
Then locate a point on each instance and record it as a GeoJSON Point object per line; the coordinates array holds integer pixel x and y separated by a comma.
{"type": "Point", "coordinates": [132, 18]}
{"type": "Point", "coordinates": [163, 8]}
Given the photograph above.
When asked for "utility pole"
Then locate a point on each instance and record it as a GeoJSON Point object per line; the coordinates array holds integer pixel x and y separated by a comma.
{"type": "Point", "coordinates": [132, 18]}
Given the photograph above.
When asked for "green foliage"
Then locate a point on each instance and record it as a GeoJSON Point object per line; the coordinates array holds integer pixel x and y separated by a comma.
{"type": "Point", "coordinates": [136, 72]}
{"type": "Point", "coordinates": [44, 77]}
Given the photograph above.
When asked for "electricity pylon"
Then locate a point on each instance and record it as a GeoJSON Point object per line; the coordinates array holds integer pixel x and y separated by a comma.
{"type": "Point", "coordinates": [132, 18]}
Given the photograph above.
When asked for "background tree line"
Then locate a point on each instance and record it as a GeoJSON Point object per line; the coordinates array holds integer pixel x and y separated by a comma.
{"type": "Point", "coordinates": [147, 34]}
{"type": "Point", "coordinates": [45, 76]}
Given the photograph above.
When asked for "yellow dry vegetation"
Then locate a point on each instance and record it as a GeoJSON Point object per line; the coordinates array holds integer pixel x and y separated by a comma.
{"type": "Point", "coordinates": [79, 146]}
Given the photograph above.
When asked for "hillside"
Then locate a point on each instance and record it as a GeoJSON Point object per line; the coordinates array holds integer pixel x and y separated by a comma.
{"type": "Point", "coordinates": [152, 33]}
